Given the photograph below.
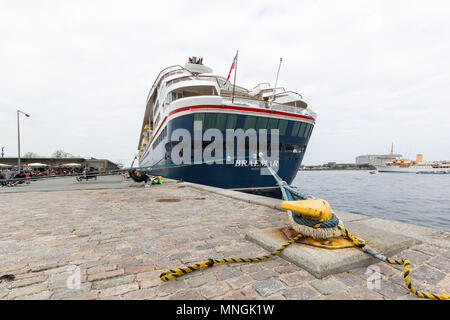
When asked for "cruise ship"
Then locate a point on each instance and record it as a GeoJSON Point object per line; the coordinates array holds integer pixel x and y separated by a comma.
{"type": "Point", "coordinates": [183, 95]}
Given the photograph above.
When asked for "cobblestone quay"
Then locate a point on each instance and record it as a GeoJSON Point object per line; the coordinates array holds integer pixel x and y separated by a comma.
{"type": "Point", "coordinates": [113, 244]}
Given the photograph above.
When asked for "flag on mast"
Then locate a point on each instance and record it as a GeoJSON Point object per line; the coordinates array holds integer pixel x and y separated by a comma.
{"type": "Point", "coordinates": [233, 65]}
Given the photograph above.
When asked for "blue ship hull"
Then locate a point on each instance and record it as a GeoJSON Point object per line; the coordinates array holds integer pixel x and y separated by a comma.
{"type": "Point", "coordinates": [236, 175]}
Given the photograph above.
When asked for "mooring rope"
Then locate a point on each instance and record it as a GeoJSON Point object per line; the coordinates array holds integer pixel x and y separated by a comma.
{"type": "Point", "coordinates": [174, 273]}
{"type": "Point", "coordinates": [177, 272]}
{"type": "Point", "coordinates": [405, 262]}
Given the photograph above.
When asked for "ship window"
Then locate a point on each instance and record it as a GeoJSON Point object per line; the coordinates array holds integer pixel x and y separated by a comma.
{"type": "Point", "coordinates": [160, 138]}
{"type": "Point", "coordinates": [310, 131]}
{"type": "Point", "coordinates": [303, 129]}
{"type": "Point", "coordinates": [294, 148]}
{"type": "Point", "coordinates": [224, 121]}
{"type": "Point", "coordinates": [269, 147]}
{"type": "Point", "coordinates": [221, 122]}
{"type": "Point", "coordinates": [192, 91]}
{"type": "Point", "coordinates": [172, 96]}
{"type": "Point", "coordinates": [261, 123]}
{"type": "Point", "coordinates": [250, 122]}
{"type": "Point", "coordinates": [295, 129]}
{"type": "Point", "coordinates": [199, 117]}
{"type": "Point", "coordinates": [282, 126]}
{"type": "Point", "coordinates": [273, 124]}
{"type": "Point", "coordinates": [210, 121]}
{"type": "Point", "coordinates": [231, 121]}
{"type": "Point", "coordinates": [306, 132]}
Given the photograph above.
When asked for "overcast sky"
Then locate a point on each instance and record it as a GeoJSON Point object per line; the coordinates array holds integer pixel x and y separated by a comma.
{"type": "Point", "coordinates": [376, 72]}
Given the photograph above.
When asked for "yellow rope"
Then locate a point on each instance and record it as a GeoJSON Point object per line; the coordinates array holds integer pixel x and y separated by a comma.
{"type": "Point", "coordinates": [174, 273]}
{"type": "Point", "coordinates": [406, 270]}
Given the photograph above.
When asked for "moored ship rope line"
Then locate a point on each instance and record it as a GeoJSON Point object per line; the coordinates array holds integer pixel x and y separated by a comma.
{"type": "Point", "coordinates": [174, 273]}
{"type": "Point", "coordinates": [169, 274]}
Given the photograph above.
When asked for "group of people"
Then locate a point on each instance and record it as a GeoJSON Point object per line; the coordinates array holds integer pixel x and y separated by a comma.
{"type": "Point", "coordinates": [13, 177]}
{"type": "Point", "coordinates": [10, 178]}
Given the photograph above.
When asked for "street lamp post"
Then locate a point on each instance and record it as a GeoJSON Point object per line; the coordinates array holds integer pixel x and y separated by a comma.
{"type": "Point", "coordinates": [18, 139]}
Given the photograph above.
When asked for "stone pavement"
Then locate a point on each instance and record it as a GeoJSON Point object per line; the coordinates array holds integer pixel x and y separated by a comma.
{"type": "Point", "coordinates": [116, 242]}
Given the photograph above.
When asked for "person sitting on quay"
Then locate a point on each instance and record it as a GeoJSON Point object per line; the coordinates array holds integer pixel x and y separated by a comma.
{"type": "Point", "coordinates": [15, 180]}
{"type": "Point", "coordinates": [137, 176]}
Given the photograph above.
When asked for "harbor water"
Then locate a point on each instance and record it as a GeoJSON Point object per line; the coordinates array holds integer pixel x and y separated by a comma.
{"type": "Point", "coordinates": [421, 199]}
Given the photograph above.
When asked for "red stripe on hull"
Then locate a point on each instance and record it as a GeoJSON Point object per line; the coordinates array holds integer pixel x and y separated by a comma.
{"type": "Point", "coordinates": [214, 106]}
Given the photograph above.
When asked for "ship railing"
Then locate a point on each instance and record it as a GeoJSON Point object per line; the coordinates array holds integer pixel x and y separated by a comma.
{"type": "Point", "coordinates": [251, 102]}
{"type": "Point", "coordinates": [221, 85]}
{"type": "Point", "coordinates": [164, 73]}
{"type": "Point", "coordinates": [181, 79]}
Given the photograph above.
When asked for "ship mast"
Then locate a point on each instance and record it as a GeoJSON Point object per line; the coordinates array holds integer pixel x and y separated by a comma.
{"type": "Point", "coordinates": [392, 150]}
{"type": "Point", "coordinates": [276, 82]}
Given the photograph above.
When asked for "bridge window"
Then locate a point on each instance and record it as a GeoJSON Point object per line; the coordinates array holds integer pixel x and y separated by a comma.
{"type": "Point", "coordinates": [221, 121]}
{"type": "Point", "coordinates": [231, 121]}
{"type": "Point", "coordinates": [261, 123]}
{"type": "Point", "coordinates": [295, 129]}
{"type": "Point", "coordinates": [303, 129]}
{"type": "Point", "coordinates": [160, 138]}
{"type": "Point", "coordinates": [310, 131]}
{"type": "Point", "coordinates": [272, 124]}
{"type": "Point", "coordinates": [282, 126]}
{"type": "Point", "coordinates": [295, 148]}
{"type": "Point", "coordinates": [210, 121]}
{"type": "Point", "coordinates": [250, 122]}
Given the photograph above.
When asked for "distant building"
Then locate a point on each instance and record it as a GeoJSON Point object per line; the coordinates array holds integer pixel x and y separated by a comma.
{"type": "Point", "coordinates": [346, 165]}
{"type": "Point", "coordinates": [375, 159]}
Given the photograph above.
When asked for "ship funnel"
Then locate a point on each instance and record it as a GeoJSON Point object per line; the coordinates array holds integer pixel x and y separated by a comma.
{"type": "Point", "coordinates": [419, 158]}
